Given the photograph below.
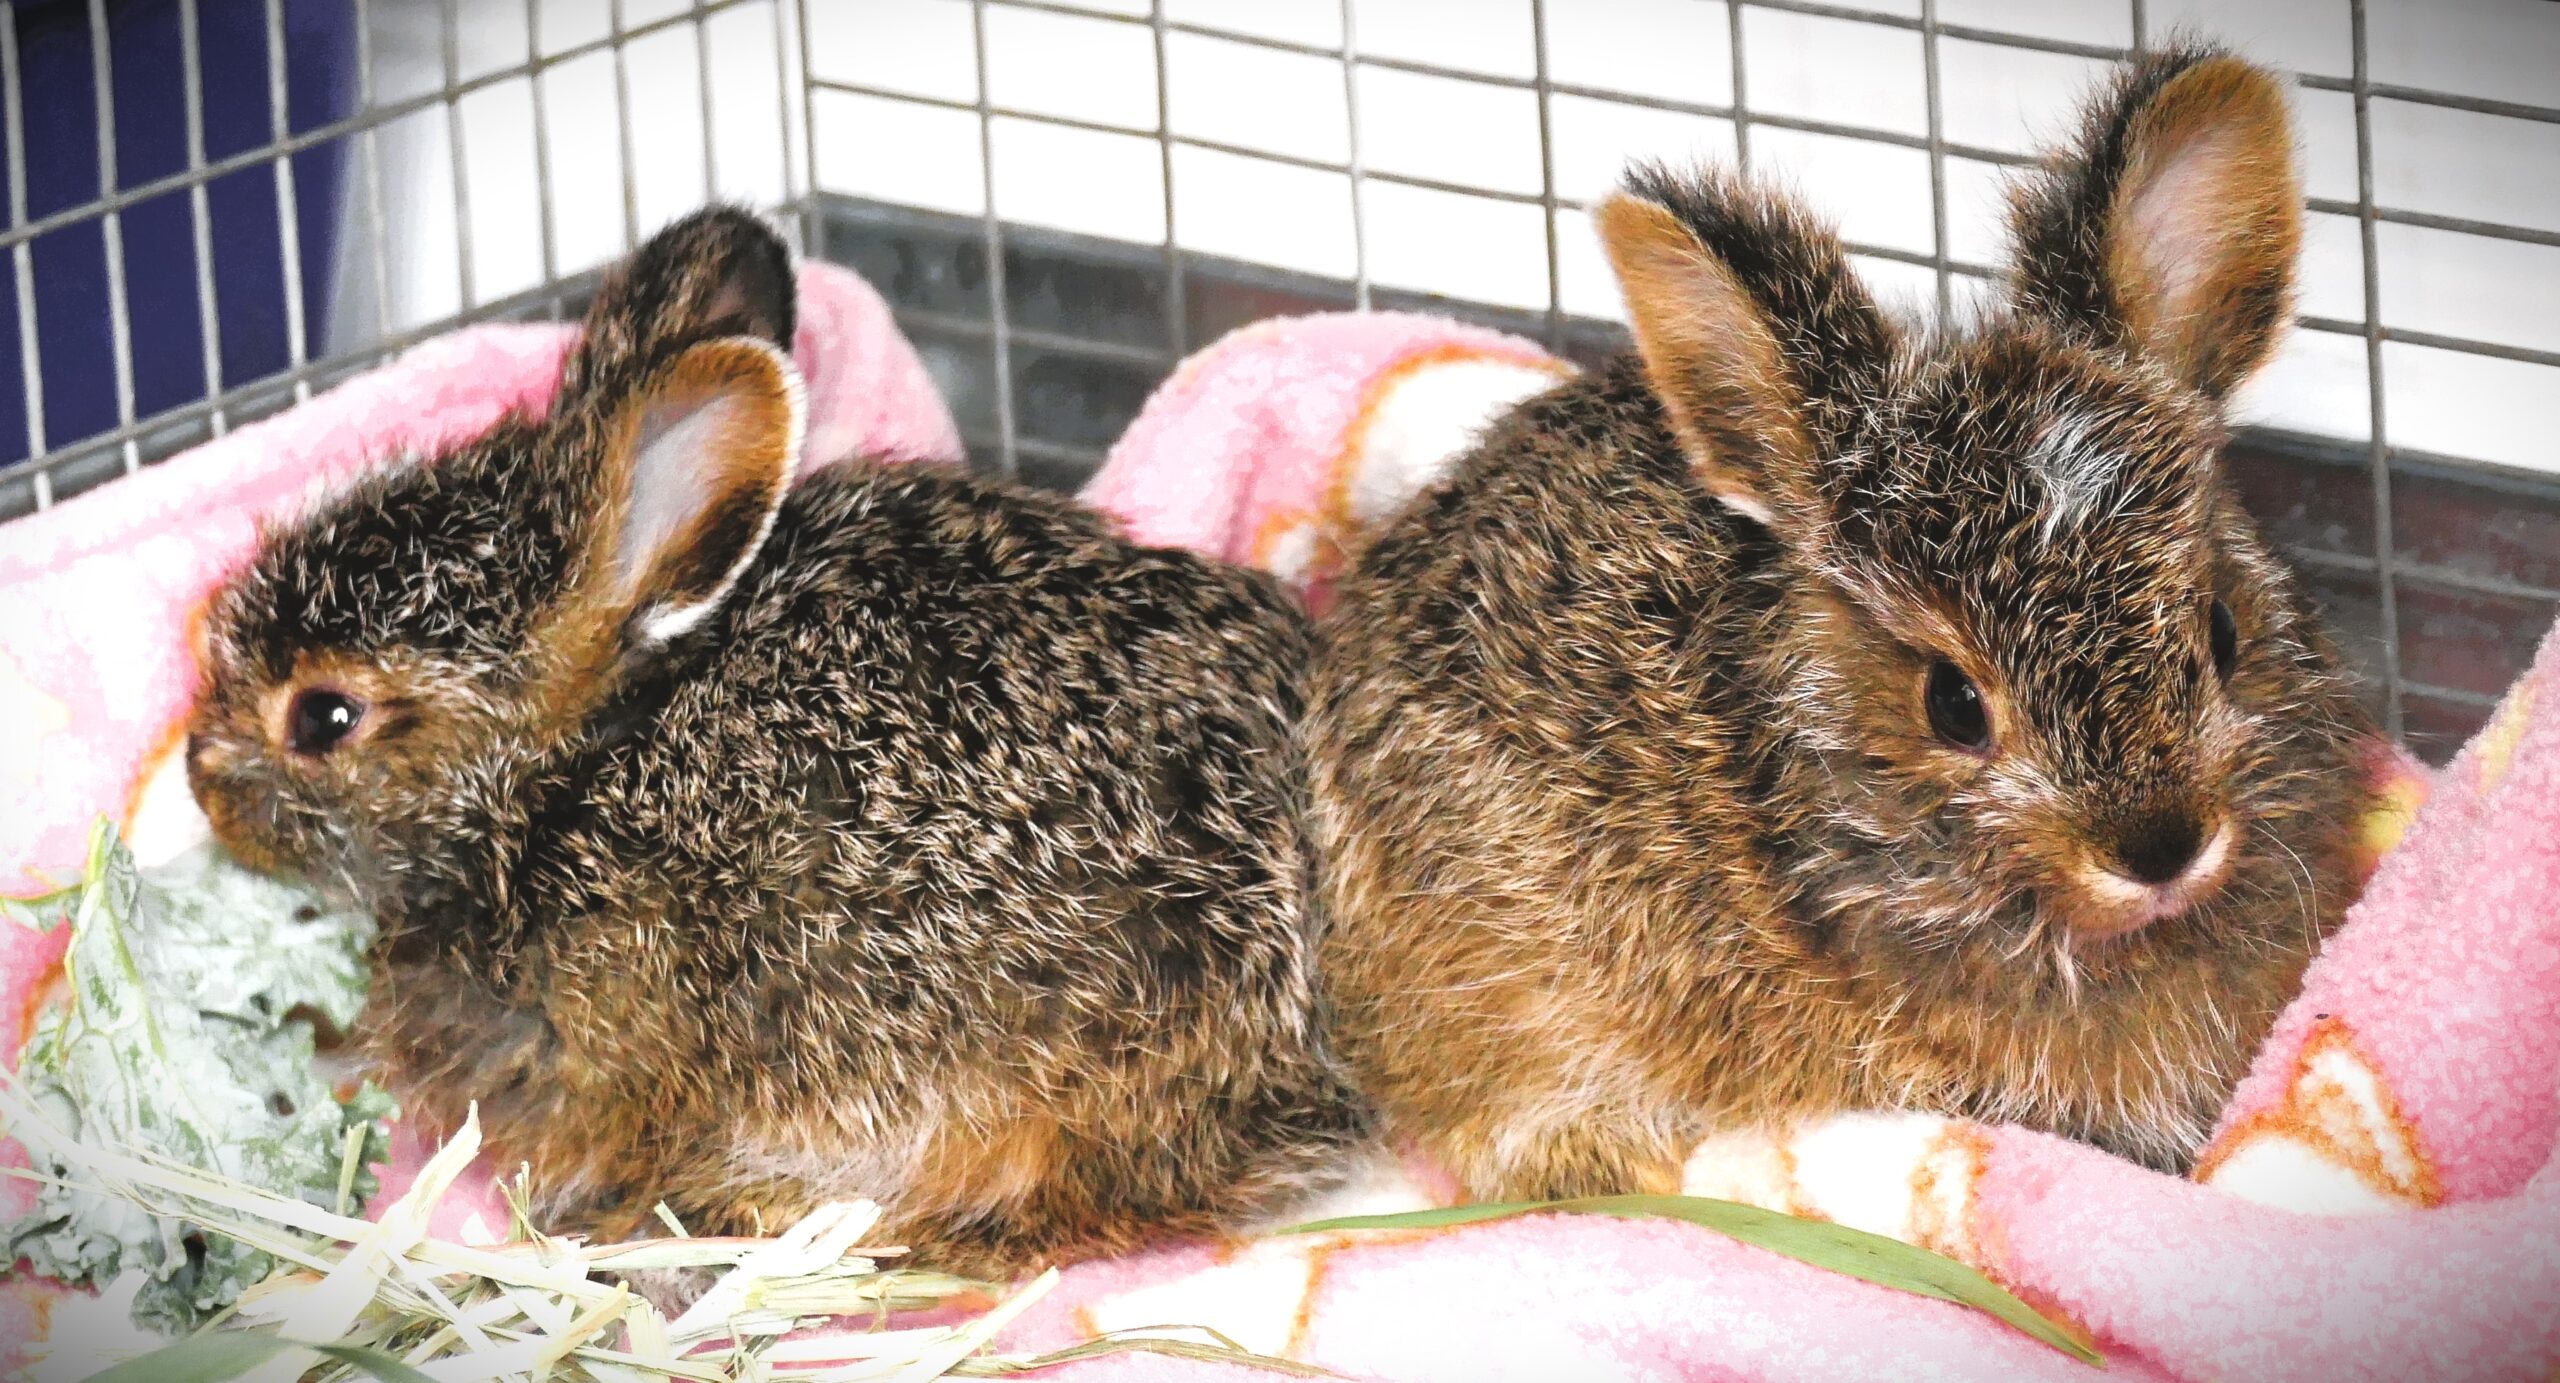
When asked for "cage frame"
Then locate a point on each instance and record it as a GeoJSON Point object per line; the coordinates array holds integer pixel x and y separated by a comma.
{"type": "Point", "coordinates": [56, 464]}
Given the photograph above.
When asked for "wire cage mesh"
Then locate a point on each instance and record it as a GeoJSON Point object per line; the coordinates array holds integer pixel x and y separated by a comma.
{"type": "Point", "coordinates": [217, 207]}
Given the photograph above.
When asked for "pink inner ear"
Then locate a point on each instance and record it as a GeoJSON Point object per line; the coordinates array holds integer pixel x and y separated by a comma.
{"type": "Point", "coordinates": [675, 469]}
{"type": "Point", "coordinates": [2176, 225]}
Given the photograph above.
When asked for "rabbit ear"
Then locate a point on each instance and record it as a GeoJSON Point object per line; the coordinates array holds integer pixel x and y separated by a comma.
{"type": "Point", "coordinates": [1754, 333]}
{"type": "Point", "coordinates": [2171, 225]}
{"type": "Point", "coordinates": [694, 469]}
{"type": "Point", "coordinates": [717, 273]}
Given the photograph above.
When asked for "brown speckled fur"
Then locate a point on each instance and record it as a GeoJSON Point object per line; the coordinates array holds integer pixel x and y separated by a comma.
{"type": "Point", "coordinates": [955, 860]}
{"type": "Point", "coordinates": [1632, 823]}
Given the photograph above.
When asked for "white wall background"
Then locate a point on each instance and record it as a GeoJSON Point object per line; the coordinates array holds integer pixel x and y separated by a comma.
{"type": "Point", "coordinates": [1094, 68]}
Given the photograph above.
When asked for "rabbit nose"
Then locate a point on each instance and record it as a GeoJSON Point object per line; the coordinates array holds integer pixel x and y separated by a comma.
{"type": "Point", "coordinates": [2158, 848]}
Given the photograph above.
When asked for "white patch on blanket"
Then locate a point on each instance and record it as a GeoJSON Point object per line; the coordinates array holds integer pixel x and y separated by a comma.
{"type": "Point", "coordinates": [2279, 1168]}
{"type": "Point", "coordinates": [2341, 1069]}
{"type": "Point", "coordinates": [1423, 421]}
{"type": "Point", "coordinates": [166, 821]}
{"type": "Point", "coordinates": [1256, 1297]}
{"type": "Point", "coordinates": [1748, 1165]}
{"type": "Point", "coordinates": [1292, 555]}
{"type": "Point", "coordinates": [1865, 1171]}
{"type": "Point", "coordinates": [1253, 1298]}
{"type": "Point", "coordinates": [2287, 1173]}
{"type": "Point", "coordinates": [1862, 1170]}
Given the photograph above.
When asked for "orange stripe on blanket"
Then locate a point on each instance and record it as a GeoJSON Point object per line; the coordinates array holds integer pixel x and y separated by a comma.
{"type": "Point", "coordinates": [1334, 512]}
{"type": "Point", "coordinates": [1264, 550]}
{"type": "Point", "coordinates": [1302, 1321]}
{"type": "Point", "coordinates": [1932, 1226]}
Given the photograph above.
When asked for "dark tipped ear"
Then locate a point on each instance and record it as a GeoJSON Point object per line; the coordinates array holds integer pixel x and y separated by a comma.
{"type": "Point", "coordinates": [1754, 333]}
{"type": "Point", "coordinates": [2171, 225]}
{"type": "Point", "coordinates": [693, 471]}
{"type": "Point", "coordinates": [719, 272]}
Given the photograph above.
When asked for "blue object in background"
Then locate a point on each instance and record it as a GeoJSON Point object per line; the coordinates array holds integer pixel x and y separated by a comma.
{"type": "Point", "coordinates": [59, 108]}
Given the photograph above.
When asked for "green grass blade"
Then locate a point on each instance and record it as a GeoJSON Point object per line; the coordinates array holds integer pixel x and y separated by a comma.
{"type": "Point", "coordinates": [1838, 1248]}
{"type": "Point", "coordinates": [208, 1358]}
{"type": "Point", "coordinates": [219, 1355]}
{"type": "Point", "coordinates": [1441, 1218]}
{"type": "Point", "coordinates": [375, 1362]}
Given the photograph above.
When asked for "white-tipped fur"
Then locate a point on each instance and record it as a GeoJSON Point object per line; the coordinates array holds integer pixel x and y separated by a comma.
{"type": "Point", "coordinates": [2077, 472]}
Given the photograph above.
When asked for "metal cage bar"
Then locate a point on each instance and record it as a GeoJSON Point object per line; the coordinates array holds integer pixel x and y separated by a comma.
{"type": "Point", "coordinates": [2378, 450]}
{"type": "Point", "coordinates": [1942, 272]}
{"type": "Point", "coordinates": [199, 205]}
{"type": "Point", "coordinates": [111, 227]}
{"type": "Point", "coordinates": [1548, 202]}
{"type": "Point", "coordinates": [619, 34]}
{"type": "Point", "coordinates": [1000, 349]}
{"type": "Point", "coordinates": [297, 337]}
{"type": "Point", "coordinates": [710, 113]}
{"type": "Point", "coordinates": [22, 257]}
{"type": "Point", "coordinates": [449, 44]}
{"type": "Point", "coordinates": [1740, 113]}
{"type": "Point", "coordinates": [376, 225]}
{"type": "Point", "coordinates": [1351, 149]}
{"type": "Point", "coordinates": [1177, 321]}
{"type": "Point", "coordinates": [548, 224]}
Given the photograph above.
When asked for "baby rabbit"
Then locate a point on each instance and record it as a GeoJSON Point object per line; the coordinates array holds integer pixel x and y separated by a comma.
{"type": "Point", "coordinates": [901, 834]}
{"type": "Point", "coordinates": [1810, 712]}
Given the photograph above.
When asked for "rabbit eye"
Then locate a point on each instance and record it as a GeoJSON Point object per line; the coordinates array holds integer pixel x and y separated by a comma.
{"type": "Point", "coordinates": [320, 720]}
{"type": "Point", "coordinates": [2226, 641]}
{"type": "Point", "coordinates": [1955, 706]}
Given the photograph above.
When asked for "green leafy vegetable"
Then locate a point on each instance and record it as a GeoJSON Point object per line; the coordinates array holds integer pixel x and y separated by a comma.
{"type": "Point", "coordinates": [1853, 1252]}
{"type": "Point", "coordinates": [188, 1031]}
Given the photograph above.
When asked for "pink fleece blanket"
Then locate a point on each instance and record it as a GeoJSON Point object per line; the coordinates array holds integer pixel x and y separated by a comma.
{"type": "Point", "coordinates": [2382, 1200]}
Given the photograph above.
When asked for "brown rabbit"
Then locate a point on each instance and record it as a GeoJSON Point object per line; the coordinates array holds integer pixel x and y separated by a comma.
{"type": "Point", "coordinates": [900, 834]}
{"type": "Point", "coordinates": [1809, 712]}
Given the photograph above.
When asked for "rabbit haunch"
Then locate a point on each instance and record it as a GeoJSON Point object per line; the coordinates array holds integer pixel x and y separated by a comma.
{"type": "Point", "coordinates": [1812, 711]}
{"type": "Point", "coordinates": [744, 846]}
